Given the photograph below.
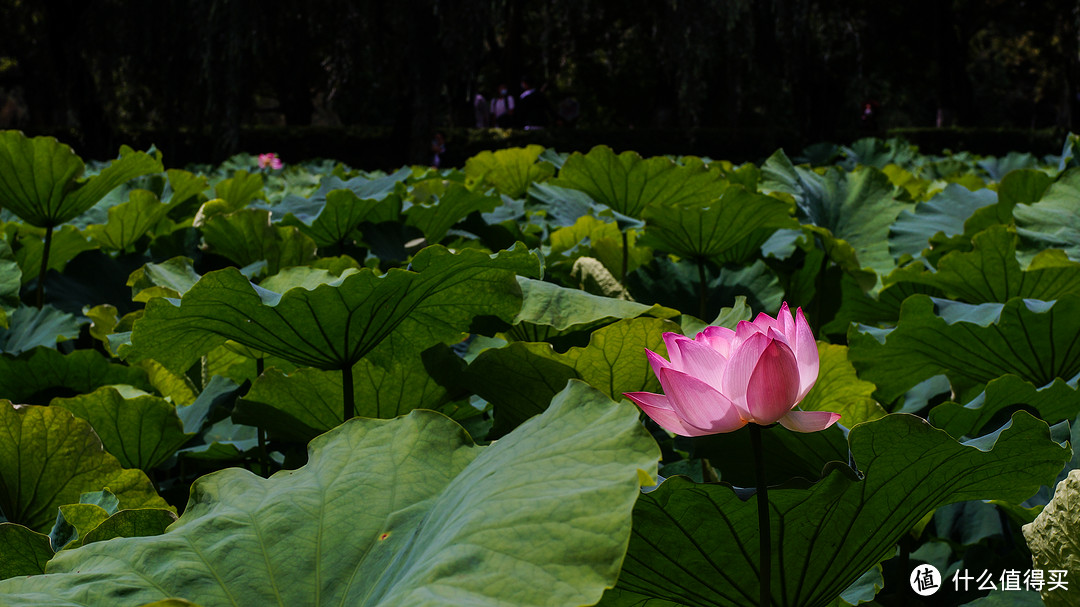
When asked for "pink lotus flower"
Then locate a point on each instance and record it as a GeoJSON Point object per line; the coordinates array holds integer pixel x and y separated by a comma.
{"type": "Point", "coordinates": [270, 160]}
{"type": "Point", "coordinates": [724, 379]}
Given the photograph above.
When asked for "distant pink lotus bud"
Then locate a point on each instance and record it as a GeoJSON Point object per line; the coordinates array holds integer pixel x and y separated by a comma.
{"type": "Point", "coordinates": [724, 379]}
{"type": "Point", "coordinates": [270, 160]}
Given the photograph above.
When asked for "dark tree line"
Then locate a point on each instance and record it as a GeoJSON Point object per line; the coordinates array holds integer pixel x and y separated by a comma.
{"type": "Point", "coordinates": [103, 68]}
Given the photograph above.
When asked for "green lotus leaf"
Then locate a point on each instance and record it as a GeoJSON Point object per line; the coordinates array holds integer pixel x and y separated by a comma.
{"type": "Point", "coordinates": [519, 379]}
{"type": "Point", "coordinates": [45, 371]}
{"type": "Point", "coordinates": [177, 389]}
{"type": "Point", "coordinates": [990, 272]}
{"type": "Point", "coordinates": [697, 544]}
{"type": "Point", "coordinates": [49, 458]}
{"type": "Point", "coordinates": [858, 207]}
{"type": "Point", "coordinates": [73, 522]}
{"type": "Point", "coordinates": [342, 212]}
{"type": "Point", "coordinates": [1034, 340]}
{"type": "Point", "coordinates": [142, 432]}
{"type": "Point", "coordinates": [562, 206]}
{"type": "Point", "coordinates": [130, 221]}
{"type": "Point", "coordinates": [861, 307]}
{"type": "Point", "coordinates": [548, 310]}
{"type": "Point", "coordinates": [676, 285]}
{"type": "Point", "coordinates": [1055, 402]}
{"type": "Point", "coordinates": [42, 182]}
{"type": "Point", "coordinates": [450, 203]}
{"type": "Point", "coordinates": [141, 522]}
{"type": "Point", "coordinates": [365, 188]}
{"type": "Point", "coordinates": [512, 170]}
{"type": "Point", "coordinates": [171, 278]}
{"type": "Point", "coordinates": [946, 212]}
{"type": "Point", "coordinates": [338, 323]}
{"type": "Point", "coordinates": [29, 328]}
{"type": "Point", "coordinates": [246, 236]}
{"type": "Point", "coordinates": [239, 190]}
{"type": "Point", "coordinates": [22, 551]}
{"type": "Point", "coordinates": [730, 229]}
{"type": "Point", "coordinates": [627, 183]}
{"type": "Point", "coordinates": [839, 389]}
{"type": "Point", "coordinates": [1054, 220]}
{"type": "Point", "coordinates": [307, 402]}
{"type": "Point", "coordinates": [593, 237]}
{"type": "Point", "coordinates": [544, 513]}
{"type": "Point", "coordinates": [10, 279]}
{"type": "Point", "coordinates": [67, 243]}
{"type": "Point", "coordinates": [1054, 540]}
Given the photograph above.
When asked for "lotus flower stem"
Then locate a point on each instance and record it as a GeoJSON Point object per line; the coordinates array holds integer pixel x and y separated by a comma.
{"type": "Point", "coordinates": [347, 390]}
{"type": "Point", "coordinates": [764, 534]}
{"type": "Point", "coordinates": [44, 267]}
{"type": "Point", "coordinates": [702, 288]}
{"type": "Point", "coordinates": [264, 460]}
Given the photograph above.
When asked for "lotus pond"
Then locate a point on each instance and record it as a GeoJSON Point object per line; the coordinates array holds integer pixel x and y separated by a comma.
{"type": "Point", "coordinates": [292, 384]}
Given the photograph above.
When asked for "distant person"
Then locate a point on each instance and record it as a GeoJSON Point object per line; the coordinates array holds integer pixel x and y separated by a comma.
{"type": "Point", "coordinates": [481, 111]}
{"type": "Point", "coordinates": [868, 118]}
{"type": "Point", "coordinates": [532, 107]}
{"type": "Point", "coordinates": [502, 108]}
{"type": "Point", "coordinates": [438, 148]}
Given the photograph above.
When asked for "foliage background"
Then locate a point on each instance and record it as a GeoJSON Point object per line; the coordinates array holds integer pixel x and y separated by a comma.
{"type": "Point", "coordinates": [206, 78]}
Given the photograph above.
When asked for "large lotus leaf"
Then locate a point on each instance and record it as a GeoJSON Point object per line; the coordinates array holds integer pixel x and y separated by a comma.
{"type": "Point", "coordinates": [1055, 402]}
{"type": "Point", "coordinates": [999, 167]}
{"type": "Point", "coordinates": [1035, 340]}
{"type": "Point", "coordinates": [170, 278]}
{"type": "Point", "coordinates": [42, 178]}
{"type": "Point", "coordinates": [628, 183]}
{"type": "Point", "coordinates": [49, 458]}
{"type": "Point", "coordinates": [338, 323]}
{"type": "Point", "coordinates": [130, 221]}
{"type": "Point", "coordinates": [239, 190]}
{"type": "Point", "coordinates": [22, 551]}
{"type": "Point", "coordinates": [247, 236]}
{"type": "Point", "coordinates": [512, 170]}
{"type": "Point", "coordinates": [142, 432]}
{"type": "Point", "coordinates": [307, 210]}
{"type": "Point", "coordinates": [67, 243]}
{"type": "Point", "coordinates": [341, 213]}
{"type": "Point", "coordinates": [548, 309]}
{"type": "Point", "coordinates": [946, 212]}
{"type": "Point", "coordinates": [450, 204]}
{"type": "Point", "coordinates": [726, 230]}
{"type": "Point", "coordinates": [307, 402]}
{"type": "Point", "coordinates": [38, 375]}
{"type": "Point", "coordinates": [29, 328]}
{"type": "Point", "coordinates": [859, 306]}
{"type": "Point", "coordinates": [542, 517]}
{"type": "Point", "coordinates": [1054, 540]}
{"type": "Point", "coordinates": [696, 544]}
{"type": "Point", "coordinates": [857, 207]}
{"type": "Point", "coordinates": [990, 272]}
{"type": "Point", "coordinates": [520, 379]}
{"type": "Point", "coordinates": [593, 237]}
{"type": "Point", "coordinates": [1054, 220]}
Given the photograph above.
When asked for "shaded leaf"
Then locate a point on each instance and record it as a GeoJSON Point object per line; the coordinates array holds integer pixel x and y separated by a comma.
{"type": "Point", "coordinates": [24, 376]}
{"type": "Point", "coordinates": [1034, 340]}
{"type": "Point", "coordinates": [697, 544]}
{"type": "Point", "coordinates": [511, 170]}
{"type": "Point", "coordinates": [246, 237]}
{"type": "Point", "coordinates": [22, 551]}
{"type": "Point", "coordinates": [1053, 403]}
{"type": "Point", "coordinates": [30, 327]}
